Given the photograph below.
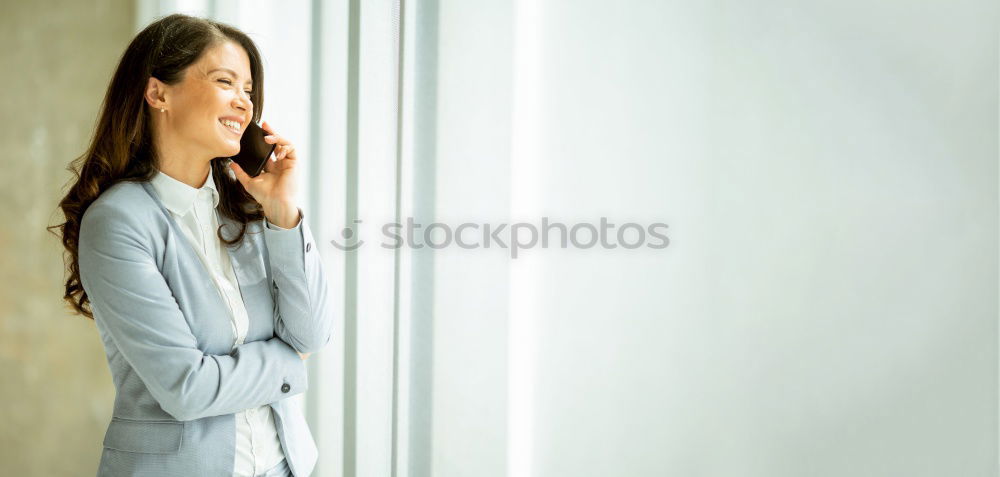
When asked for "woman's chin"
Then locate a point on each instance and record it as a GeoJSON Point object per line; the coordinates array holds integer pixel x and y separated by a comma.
{"type": "Point", "coordinates": [230, 150]}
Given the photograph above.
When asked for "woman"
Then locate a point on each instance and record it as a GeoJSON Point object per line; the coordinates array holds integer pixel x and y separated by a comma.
{"type": "Point", "coordinates": [205, 284]}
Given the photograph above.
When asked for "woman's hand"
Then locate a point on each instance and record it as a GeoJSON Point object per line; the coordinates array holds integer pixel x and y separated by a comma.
{"type": "Point", "coordinates": [303, 355]}
{"type": "Point", "coordinates": [275, 187]}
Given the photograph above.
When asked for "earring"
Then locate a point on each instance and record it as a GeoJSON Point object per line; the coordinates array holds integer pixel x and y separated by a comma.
{"type": "Point", "coordinates": [163, 110]}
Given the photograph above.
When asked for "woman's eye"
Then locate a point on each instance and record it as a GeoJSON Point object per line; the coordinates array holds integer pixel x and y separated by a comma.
{"type": "Point", "coordinates": [225, 81]}
{"type": "Point", "coordinates": [248, 92]}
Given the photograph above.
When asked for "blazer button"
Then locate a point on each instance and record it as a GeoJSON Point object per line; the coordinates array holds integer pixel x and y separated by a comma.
{"type": "Point", "coordinates": [309, 246]}
{"type": "Point", "coordinates": [285, 388]}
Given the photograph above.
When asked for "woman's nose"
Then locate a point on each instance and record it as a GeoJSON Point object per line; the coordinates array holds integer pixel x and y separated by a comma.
{"type": "Point", "coordinates": [243, 101]}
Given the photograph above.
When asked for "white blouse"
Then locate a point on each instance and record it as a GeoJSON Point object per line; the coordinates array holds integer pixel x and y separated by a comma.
{"type": "Point", "coordinates": [257, 445]}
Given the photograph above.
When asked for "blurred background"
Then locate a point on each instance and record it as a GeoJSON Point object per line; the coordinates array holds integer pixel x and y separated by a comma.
{"type": "Point", "coordinates": [827, 304]}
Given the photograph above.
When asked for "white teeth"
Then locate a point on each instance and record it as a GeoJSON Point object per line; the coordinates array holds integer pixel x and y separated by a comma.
{"type": "Point", "coordinates": [235, 126]}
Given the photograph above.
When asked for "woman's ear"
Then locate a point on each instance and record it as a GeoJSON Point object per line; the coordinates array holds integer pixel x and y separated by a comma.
{"type": "Point", "coordinates": [156, 93]}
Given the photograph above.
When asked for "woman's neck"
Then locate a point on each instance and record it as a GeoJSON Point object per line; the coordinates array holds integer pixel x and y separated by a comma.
{"type": "Point", "coordinates": [185, 166]}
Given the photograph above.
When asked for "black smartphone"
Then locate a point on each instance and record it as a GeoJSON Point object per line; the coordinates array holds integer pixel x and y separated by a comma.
{"type": "Point", "coordinates": [254, 152]}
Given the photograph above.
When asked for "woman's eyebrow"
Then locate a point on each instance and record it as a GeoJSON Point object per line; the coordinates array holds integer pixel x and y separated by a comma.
{"type": "Point", "coordinates": [231, 72]}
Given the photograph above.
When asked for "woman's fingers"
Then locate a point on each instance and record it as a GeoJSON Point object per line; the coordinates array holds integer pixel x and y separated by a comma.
{"type": "Point", "coordinates": [283, 147]}
{"type": "Point", "coordinates": [287, 150]}
{"type": "Point", "coordinates": [271, 137]}
{"type": "Point", "coordinates": [266, 127]}
{"type": "Point", "coordinates": [241, 176]}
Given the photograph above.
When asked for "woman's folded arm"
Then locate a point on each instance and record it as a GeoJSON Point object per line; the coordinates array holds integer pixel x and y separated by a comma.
{"type": "Point", "coordinates": [303, 314]}
{"type": "Point", "coordinates": [133, 304]}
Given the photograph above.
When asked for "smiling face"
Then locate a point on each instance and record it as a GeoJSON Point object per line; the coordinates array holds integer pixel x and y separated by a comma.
{"type": "Point", "coordinates": [210, 107]}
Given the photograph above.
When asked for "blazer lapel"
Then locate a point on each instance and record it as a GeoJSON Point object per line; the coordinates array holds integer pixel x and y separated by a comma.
{"type": "Point", "coordinates": [188, 248]}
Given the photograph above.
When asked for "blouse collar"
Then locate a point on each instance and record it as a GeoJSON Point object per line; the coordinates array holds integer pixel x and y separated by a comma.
{"type": "Point", "coordinates": [179, 197]}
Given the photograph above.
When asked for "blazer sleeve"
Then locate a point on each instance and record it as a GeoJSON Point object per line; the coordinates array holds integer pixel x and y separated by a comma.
{"type": "Point", "coordinates": [303, 314]}
{"type": "Point", "coordinates": [133, 304]}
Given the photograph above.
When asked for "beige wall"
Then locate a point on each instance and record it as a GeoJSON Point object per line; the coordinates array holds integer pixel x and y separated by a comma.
{"type": "Point", "coordinates": [56, 59]}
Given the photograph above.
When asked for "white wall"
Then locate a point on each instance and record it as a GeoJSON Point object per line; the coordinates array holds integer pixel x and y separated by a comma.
{"type": "Point", "coordinates": [828, 302]}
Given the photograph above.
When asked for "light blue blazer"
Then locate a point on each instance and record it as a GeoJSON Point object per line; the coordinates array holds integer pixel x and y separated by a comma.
{"type": "Point", "coordinates": [168, 339]}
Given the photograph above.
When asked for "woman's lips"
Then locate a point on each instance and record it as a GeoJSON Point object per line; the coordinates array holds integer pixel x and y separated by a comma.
{"type": "Point", "coordinates": [229, 128]}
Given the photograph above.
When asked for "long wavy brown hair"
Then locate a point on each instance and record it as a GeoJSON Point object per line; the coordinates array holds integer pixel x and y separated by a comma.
{"type": "Point", "coordinates": [122, 147]}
